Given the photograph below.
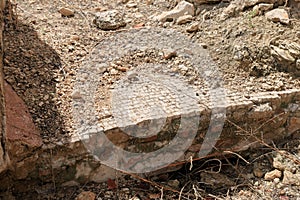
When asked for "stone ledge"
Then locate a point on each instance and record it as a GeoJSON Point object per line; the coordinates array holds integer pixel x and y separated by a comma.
{"type": "Point", "coordinates": [275, 115]}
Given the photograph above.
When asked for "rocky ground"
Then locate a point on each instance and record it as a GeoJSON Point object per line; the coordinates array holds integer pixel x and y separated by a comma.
{"type": "Point", "coordinates": [255, 44]}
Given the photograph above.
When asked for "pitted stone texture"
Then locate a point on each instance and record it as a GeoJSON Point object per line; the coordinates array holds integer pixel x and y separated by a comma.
{"type": "Point", "coordinates": [125, 42]}
{"type": "Point", "coordinates": [259, 106]}
{"type": "Point", "coordinates": [109, 20]}
{"type": "Point", "coordinates": [151, 96]}
{"type": "Point", "coordinates": [145, 95]}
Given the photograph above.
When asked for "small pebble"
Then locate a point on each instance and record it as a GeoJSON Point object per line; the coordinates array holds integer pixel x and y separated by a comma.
{"type": "Point", "coordinates": [76, 95]}
{"type": "Point", "coordinates": [66, 12]}
{"type": "Point", "coordinates": [272, 175]}
{"type": "Point", "coordinates": [168, 54]}
{"type": "Point", "coordinates": [131, 4]}
{"type": "Point", "coordinates": [276, 180]}
{"type": "Point", "coordinates": [194, 27]}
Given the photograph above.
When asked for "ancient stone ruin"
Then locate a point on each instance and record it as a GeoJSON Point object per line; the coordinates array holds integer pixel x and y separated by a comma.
{"type": "Point", "coordinates": [195, 125]}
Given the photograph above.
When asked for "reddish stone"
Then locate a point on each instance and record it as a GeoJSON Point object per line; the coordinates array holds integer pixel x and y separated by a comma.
{"type": "Point", "coordinates": [21, 132]}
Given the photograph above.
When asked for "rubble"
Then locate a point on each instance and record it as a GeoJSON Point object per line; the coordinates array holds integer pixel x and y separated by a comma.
{"type": "Point", "coordinates": [183, 8]}
{"type": "Point", "coordinates": [261, 8]}
{"type": "Point", "coordinates": [109, 20]}
{"type": "Point", "coordinates": [278, 15]}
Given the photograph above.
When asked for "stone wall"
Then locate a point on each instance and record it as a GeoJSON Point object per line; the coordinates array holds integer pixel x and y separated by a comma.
{"type": "Point", "coordinates": [3, 154]}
